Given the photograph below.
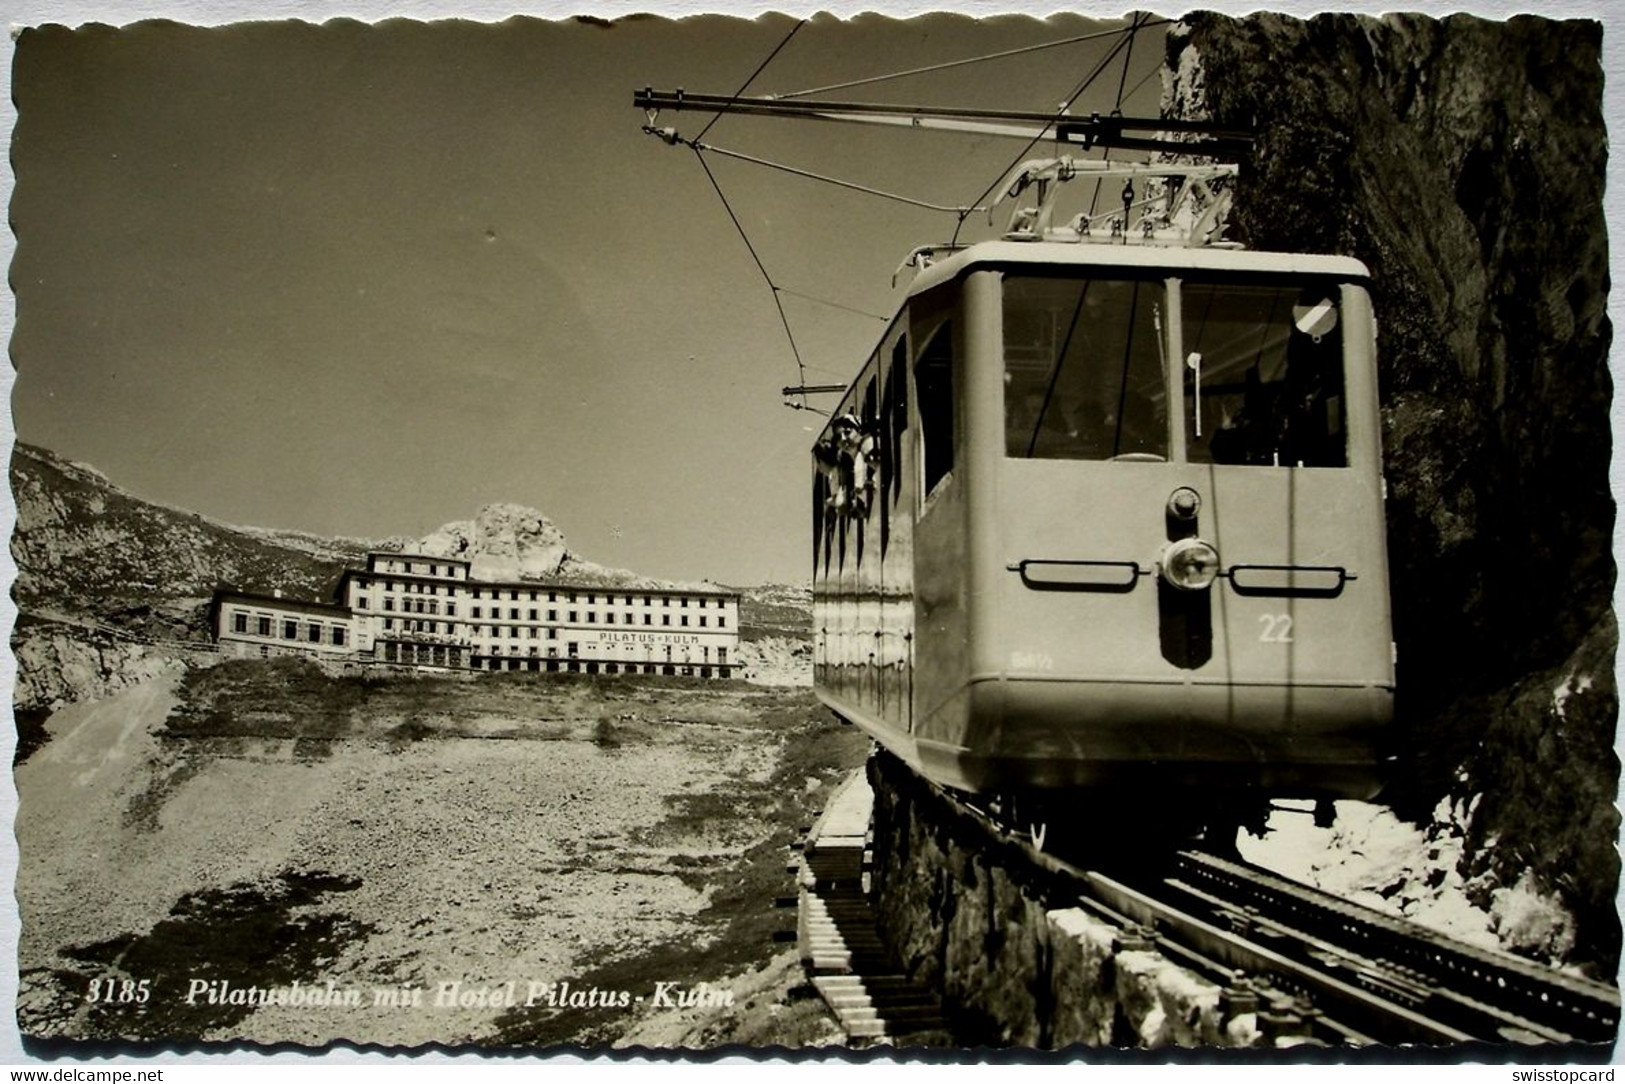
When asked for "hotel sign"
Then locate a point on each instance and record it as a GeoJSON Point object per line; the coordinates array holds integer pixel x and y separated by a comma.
{"type": "Point", "coordinates": [675, 638]}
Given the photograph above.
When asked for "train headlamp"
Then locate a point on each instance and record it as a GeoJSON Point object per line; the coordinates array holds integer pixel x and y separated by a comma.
{"type": "Point", "coordinates": [1190, 564]}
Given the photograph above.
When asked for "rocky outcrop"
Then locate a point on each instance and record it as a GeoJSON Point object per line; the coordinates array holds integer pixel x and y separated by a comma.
{"type": "Point", "coordinates": [58, 668]}
{"type": "Point", "coordinates": [502, 542]}
{"type": "Point", "coordinates": [776, 660]}
{"type": "Point", "coordinates": [512, 542]}
{"type": "Point", "coordinates": [1462, 160]}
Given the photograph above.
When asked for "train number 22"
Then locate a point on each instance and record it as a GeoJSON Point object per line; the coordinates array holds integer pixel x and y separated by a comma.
{"type": "Point", "coordinates": [1277, 629]}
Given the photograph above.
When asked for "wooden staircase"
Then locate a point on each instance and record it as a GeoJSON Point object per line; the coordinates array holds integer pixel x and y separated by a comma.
{"type": "Point", "coordinates": [837, 934]}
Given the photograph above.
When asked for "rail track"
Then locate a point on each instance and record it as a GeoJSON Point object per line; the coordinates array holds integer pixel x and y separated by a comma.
{"type": "Point", "coordinates": [1309, 967]}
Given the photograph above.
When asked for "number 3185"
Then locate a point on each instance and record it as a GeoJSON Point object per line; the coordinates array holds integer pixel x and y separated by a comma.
{"type": "Point", "coordinates": [120, 991]}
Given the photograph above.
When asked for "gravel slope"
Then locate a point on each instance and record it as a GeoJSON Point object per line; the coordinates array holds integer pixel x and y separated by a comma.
{"type": "Point", "coordinates": [279, 826]}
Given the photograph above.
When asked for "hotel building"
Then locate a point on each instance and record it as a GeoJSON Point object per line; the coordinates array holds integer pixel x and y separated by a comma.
{"type": "Point", "coordinates": [247, 625]}
{"type": "Point", "coordinates": [415, 609]}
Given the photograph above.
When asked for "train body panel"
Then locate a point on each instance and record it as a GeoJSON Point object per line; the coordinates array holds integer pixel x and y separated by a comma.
{"type": "Point", "coordinates": [1053, 443]}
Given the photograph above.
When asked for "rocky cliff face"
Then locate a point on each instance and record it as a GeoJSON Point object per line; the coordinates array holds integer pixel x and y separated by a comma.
{"type": "Point", "coordinates": [1463, 160]}
{"type": "Point", "coordinates": [85, 548]}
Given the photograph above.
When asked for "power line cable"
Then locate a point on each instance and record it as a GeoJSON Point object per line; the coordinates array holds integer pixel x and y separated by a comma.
{"type": "Point", "coordinates": [801, 366]}
{"type": "Point", "coordinates": [958, 63]}
{"type": "Point", "coordinates": [1128, 55]}
{"type": "Point", "coordinates": [833, 305]}
{"type": "Point", "coordinates": [670, 135]}
{"type": "Point", "coordinates": [753, 75]}
{"type": "Point", "coordinates": [1059, 113]}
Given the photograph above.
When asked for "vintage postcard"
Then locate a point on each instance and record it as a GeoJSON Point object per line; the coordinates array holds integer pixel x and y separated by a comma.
{"type": "Point", "coordinates": [836, 533]}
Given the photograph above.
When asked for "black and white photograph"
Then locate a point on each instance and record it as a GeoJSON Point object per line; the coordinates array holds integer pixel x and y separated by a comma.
{"type": "Point", "coordinates": [823, 534]}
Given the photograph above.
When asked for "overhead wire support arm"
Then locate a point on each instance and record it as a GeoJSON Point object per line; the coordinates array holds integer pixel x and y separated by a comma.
{"type": "Point", "coordinates": [1088, 132]}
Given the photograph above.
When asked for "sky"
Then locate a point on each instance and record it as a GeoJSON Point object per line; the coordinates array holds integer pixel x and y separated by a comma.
{"type": "Point", "coordinates": [362, 279]}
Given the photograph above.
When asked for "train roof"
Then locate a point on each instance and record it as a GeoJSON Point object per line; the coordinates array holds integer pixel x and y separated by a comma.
{"type": "Point", "coordinates": [1138, 257]}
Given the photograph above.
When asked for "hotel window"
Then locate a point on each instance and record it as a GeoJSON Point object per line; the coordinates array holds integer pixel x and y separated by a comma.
{"type": "Point", "coordinates": [239, 622]}
{"type": "Point", "coordinates": [361, 602]}
{"type": "Point", "coordinates": [685, 621]}
{"type": "Point", "coordinates": [609, 619]}
{"type": "Point", "coordinates": [552, 634]}
{"type": "Point", "coordinates": [685, 604]}
{"type": "Point", "coordinates": [591, 599]}
{"type": "Point", "coordinates": [265, 626]}
{"type": "Point", "coordinates": [665, 619]}
{"type": "Point", "coordinates": [572, 596]}
{"type": "Point", "coordinates": [476, 592]}
{"type": "Point", "coordinates": [478, 612]}
{"type": "Point", "coordinates": [665, 602]}
{"type": "Point", "coordinates": [389, 604]}
{"type": "Point", "coordinates": [572, 617]}
{"type": "Point", "coordinates": [722, 622]}
{"type": "Point", "coordinates": [533, 612]}
{"type": "Point", "coordinates": [451, 609]}
{"type": "Point", "coordinates": [646, 601]}
{"type": "Point", "coordinates": [513, 596]}
{"type": "Point", "coordinates": [314, 634]}
{"type": "Point", "coordinates": [513, 612]}
{"type": "Point", "coordinates": [722, 656]}
{"type": "Point", "coordinates": [648, 619]}
{"type": "Point", "coordinates": [389, 622]}
{"type": "Point", "coordinates": [571, 648]}
{"type": "Point", "coordinates": [552, 615]}
{"type": "Point", "coordinates": [290, 630]}
{"type": "Point", "coordinates": [592, 618]}
{"type": "Point", "coordinates": [702, 622]}
{"type": "Point", "coordinates": [338, 637]}
{"type": "Point", "coordinates": [533, 599]}
{"type": "Point", "coordinates": [552, 596]}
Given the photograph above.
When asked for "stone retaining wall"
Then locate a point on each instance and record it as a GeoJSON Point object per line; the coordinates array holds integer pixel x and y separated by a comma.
{"type": "Point", "coordinates": [1016, 962]}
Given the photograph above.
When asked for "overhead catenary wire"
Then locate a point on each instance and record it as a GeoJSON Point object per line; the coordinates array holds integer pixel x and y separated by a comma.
{"type": "Point", "coordinates": [801, 366]}
{"type": "Point", "coordinates": [1089, 79]}
{"type": "Point", "coordinates": [746, 84]}
{"type": "Point", "coordinates": [1122, 80]}
{"type": "Point", "coordinates": [961, 213]}
{"type": "Point", "coordinates": [945, 65]}
{"type": "Point", "coordinates": [833, 305]}
{"type": "Point", "coordinates": [671, 136]}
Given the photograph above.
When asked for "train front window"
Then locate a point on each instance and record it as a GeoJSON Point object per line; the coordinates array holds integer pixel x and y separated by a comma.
{"type": "Point", "coordinates": [1263, 375]}
{"type": "Point", "coordinates": [1083, 369]}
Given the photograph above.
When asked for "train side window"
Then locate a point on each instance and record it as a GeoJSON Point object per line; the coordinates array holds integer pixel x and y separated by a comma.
{"type": "Point", "coordinates": [1263, 375]}
{"type": "Point", "coordinates": [934, 391]}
